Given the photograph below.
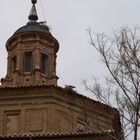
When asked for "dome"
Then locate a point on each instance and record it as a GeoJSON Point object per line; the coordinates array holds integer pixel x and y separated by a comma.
{"type": "Point", "coordinates": [33, 27]}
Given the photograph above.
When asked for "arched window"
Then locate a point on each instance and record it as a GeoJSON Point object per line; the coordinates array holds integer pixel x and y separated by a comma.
{"type": "Point", "coordinates": [14, 63]}
{"type": "Point", "coordinates": [43, 63]}
{"type": "Point", "coordinates": [27, 62]}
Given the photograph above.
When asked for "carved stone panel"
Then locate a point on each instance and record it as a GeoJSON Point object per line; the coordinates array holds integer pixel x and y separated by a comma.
{"type": "Point", "coordinates": [11, 122]}
{"type": "Point", "coordinates": [35, 120]}
{"type": "Point", "coordinates": [64, 121]}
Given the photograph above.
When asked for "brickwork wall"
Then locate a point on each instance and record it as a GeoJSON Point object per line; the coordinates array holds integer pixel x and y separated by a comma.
{"type": "Point", "coordinates": [44, 109]}
{"type": "Point", "coordinates": [36, 44]}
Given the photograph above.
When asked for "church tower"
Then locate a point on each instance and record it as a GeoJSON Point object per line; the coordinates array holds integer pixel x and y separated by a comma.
{"type": "Point", "coordinates": [31, 54]}
{"type": "Point", "coordinates": [34, 107]}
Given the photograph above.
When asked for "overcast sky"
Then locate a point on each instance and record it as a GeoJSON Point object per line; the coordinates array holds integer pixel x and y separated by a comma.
{"type": "Point", "coordinates": [68, 20]}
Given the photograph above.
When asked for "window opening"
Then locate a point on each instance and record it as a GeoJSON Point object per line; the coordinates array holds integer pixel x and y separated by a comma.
{"type": "Point", "coordinates": [43, 66]}
{"type": "Point", "coordinates": [14, 62]}
{"type": "Point", "coordinates": [28, 61]}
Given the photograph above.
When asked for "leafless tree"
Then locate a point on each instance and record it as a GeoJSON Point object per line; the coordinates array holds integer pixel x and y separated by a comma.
{"type": "Point", "coordinates": [120, 53]}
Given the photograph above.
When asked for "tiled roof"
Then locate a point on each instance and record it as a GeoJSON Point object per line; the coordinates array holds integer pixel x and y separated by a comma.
{"type": "Point", "coordinates": [33, 27]}
{"type": "Point", "coordinates": [26, 86]}
{"type": "Point", "coordinates": [26, 135]}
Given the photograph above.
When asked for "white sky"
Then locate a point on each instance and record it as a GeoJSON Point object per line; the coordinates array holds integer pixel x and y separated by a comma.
{"type": "Point", "coordinates": [68, 20]}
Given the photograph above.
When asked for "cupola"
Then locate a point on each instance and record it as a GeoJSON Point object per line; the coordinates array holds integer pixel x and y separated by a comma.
{"type": "Point", "coordinates": [31, 54]}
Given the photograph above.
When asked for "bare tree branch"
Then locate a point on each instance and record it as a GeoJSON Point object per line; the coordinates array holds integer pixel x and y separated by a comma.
{"type": "Point", "coordinates": [121, 55]}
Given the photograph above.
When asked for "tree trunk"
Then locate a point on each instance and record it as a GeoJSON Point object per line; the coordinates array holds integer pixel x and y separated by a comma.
{"type": "Point", "coordinates": [136, 122]}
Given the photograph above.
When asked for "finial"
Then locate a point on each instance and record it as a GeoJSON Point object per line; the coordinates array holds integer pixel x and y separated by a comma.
{"type": "Point", "coordinates": [33, 13]}
{"type": "Point", "coordinates": [34, 1]}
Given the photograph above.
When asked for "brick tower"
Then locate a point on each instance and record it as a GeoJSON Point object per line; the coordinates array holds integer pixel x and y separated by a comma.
{"type": "Point", "coordinates": [31, 54]}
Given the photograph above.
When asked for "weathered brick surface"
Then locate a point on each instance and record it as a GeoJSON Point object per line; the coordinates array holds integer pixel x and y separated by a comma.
{"type": "Point", "coordinates": [43, 109]}
{"type": "Point", "coordinates": [36, 43]}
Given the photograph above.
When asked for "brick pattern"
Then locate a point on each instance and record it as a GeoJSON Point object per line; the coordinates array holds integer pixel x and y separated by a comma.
{"type": "Point", "coordinates": [36, 44]}
{"type": "Point", "coordinates": [51, 109]}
